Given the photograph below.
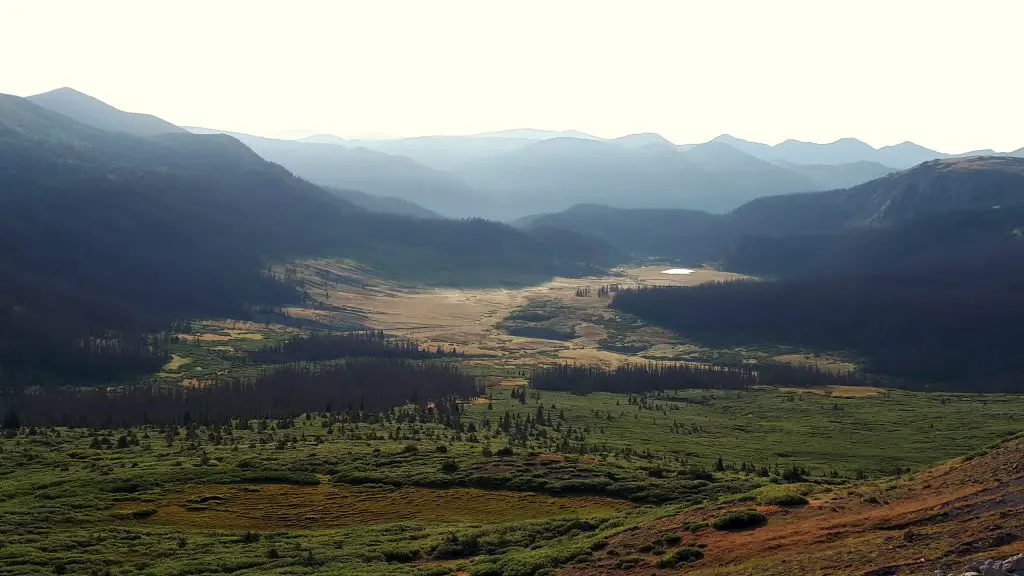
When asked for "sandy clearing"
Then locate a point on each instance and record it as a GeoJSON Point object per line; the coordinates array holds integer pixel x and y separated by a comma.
{"type": "Point", "coordinates": [465, 318]}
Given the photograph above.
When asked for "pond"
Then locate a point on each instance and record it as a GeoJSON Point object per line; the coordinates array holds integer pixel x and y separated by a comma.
{"type": "Point", "coordinates": [678, 271]}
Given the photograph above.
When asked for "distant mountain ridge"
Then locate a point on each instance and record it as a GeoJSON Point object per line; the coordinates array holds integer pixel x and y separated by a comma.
{"type": "Point", "coordinates": [929, 192]}
{"type": "Point", "coordinates": [513, 173]}
{"type": "Point", "coordinates": [846, 151]}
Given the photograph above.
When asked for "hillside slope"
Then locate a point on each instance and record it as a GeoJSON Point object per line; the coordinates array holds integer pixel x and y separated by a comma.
{"type": "Point", "coordinates": [384, 204]}
{"type": "Point", "coordinates": [374, 172]}
{"type": "Point", "coordinates": [692, 236]}
{"type": "Point", "coordinates": [935, 187]}
{"type": "Point", "coordinates": [943, 518]}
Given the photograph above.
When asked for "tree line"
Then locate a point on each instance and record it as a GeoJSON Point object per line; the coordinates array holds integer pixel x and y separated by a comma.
{"type": "Point", "coordinates": [637, 378]}
{"type": "Point", "coordinates": [318, 346]}
{"type": "Point", "coordinates": [278, 392]}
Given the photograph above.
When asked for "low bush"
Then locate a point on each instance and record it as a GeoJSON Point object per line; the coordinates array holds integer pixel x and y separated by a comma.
{"type": "Point", "coordinates": [786, 499]}
{"type": "Point", "coordinates": [671, 539]}
{"type": "Point", "coordinates": [680, 556]}
{"type": "Point", "coordinates": [142, 513]}
{"type": "Point", "coordinates": [739, 519]}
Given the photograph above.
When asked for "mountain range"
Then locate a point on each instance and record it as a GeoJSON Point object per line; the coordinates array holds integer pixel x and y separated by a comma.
{"type": "Point", "coordinates": [514, 173]}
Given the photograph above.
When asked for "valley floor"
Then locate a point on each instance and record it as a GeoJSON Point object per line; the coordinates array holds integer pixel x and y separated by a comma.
{"type": "Point", "coordinates": [851, 480]}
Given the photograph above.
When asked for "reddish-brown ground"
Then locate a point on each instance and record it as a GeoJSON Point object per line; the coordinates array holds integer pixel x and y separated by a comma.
{"type": "Point", "coordinates": [944, 517]}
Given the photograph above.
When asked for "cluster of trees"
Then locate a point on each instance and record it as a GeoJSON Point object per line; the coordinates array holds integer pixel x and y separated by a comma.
{"type": "Point", "coordinates": [955, 326]}
{"type": "Point", "coordinates": [636, 378]}
{"type": "Point", "coordinates": [317, 346]}
{"type": "Point", "coordinates": [602, 291]}
{"type": "Point", "coordinates": [280, 392]}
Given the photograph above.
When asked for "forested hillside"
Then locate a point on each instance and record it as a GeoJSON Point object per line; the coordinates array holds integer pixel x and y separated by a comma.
{"type": "Point", "coordinates": [956, 324]}
{"type": "Point", "coordinates": [106, 237]}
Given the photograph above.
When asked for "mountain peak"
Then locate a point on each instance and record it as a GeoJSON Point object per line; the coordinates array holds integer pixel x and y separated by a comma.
{"type": "Point", "coordinates": [643, 139]}
{"type": "Point", "coordinates": [729, 139]}
{"type": "Point", "coordinates": [853, 143]}
{"type": "Point", "coordinates": [98, 114]}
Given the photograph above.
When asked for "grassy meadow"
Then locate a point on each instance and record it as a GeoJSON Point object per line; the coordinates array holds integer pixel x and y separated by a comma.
{"type": "Point", "coordinates": [395, 497]}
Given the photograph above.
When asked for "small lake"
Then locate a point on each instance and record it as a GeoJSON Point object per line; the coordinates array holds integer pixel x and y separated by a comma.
{"type": "Point", "coordinates": [678, 271]}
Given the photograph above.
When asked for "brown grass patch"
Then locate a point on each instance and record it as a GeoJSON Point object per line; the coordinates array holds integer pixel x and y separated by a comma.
{"type": "Point", "coordinates": [944, 517]}
{"type": "Point", "coordinates": [273, 506]}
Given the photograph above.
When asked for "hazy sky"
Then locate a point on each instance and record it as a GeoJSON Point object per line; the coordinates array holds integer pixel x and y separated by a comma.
{"type": "Point", "coordinates": [946, 74]}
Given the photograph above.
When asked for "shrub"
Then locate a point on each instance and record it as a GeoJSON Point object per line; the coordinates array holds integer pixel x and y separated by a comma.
{"type": "Point", "coordinates": [142, 513]}
{"type": "Point", "coordinates": [123, 488]}
{"type": "Point", "coordinates": [401, 554]}
{"type": "Point", "coordinates": [449, 467]}
{"type": "Point", "coordinates": [504, 452]}
{"type": "Point", "coordinates": [685, 555]}
{"type": "Point", "coordinates": [739, 520]}
{"type": "Point", "coordinates": [671, 539]}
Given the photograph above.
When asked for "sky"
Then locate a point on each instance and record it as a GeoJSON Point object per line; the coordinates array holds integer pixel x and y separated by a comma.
{"type": "Point", "coordinates": [944, 74]}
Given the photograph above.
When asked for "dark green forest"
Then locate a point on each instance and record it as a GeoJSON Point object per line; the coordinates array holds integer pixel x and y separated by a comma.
{"type": "Point", "coordinates": [957, 325]}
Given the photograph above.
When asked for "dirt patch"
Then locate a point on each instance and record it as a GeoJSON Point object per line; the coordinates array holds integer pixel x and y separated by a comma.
{"type": "Point", "coordinates": [212, 337]}
{"type": "Point", "coordinates": [176, 363]}
{"type": "Point", "coordinates": [838, 391]}
{"type": "Point", "coordinates": [272, 507]}
{"type": "Point", "coordinates": [824, 362]}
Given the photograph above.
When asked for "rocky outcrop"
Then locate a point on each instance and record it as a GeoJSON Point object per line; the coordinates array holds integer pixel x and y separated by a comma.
{"type": "Point", "coordinates": [1013, 566]}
